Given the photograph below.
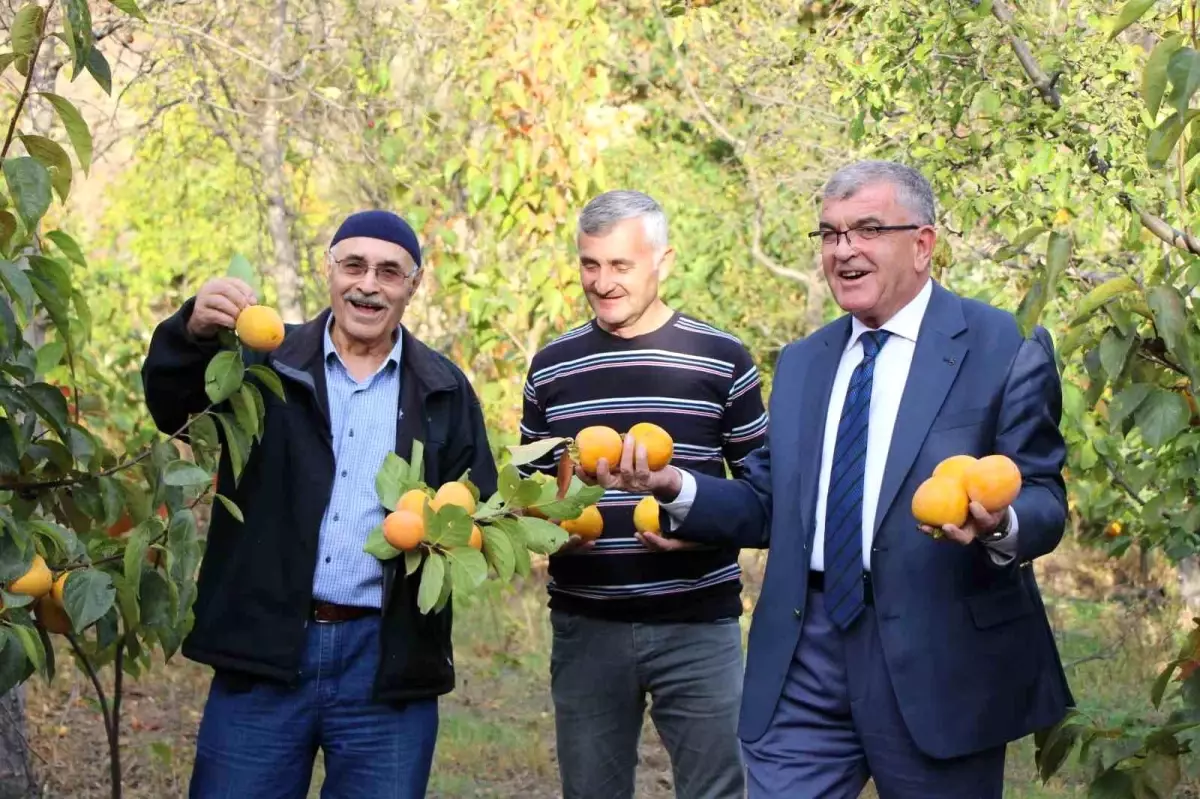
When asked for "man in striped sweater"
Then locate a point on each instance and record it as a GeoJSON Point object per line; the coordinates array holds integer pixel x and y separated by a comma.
{"type": "Point", "coordinates": [637, 614]}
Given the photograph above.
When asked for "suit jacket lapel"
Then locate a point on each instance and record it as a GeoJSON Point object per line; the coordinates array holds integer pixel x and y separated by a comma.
{"type": "Point", "coordinates": [813, 410]}
{"type": "Point", "coordinates": [935, 364]}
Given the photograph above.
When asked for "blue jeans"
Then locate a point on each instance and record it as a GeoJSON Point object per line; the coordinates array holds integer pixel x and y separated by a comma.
{"type": "Point", "coordinates": [600, 674]}
{"type": "Point", "coordinates": [258, 739]}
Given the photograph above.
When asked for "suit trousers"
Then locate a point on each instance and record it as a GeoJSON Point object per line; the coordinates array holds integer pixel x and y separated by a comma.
{"type": "Point", "coordinates": [837, 725]}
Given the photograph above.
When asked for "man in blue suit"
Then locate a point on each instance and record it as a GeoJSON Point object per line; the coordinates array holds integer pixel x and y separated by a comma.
{"type": "Point", "coordinates": [878, 650]}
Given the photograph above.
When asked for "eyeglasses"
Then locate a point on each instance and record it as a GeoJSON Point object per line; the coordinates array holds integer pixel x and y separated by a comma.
{"type": "Point", "coordinates": [387, 274]}
{"type": "Point", "coordinates": [831, 236]}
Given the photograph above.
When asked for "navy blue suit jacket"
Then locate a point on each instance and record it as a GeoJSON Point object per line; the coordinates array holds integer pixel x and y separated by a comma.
{"type": "Point", "coordinates": [967, 644]}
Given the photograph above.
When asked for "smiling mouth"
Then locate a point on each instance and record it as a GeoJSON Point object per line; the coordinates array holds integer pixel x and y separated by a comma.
{"type": "Point", "coordinates": [366, 308]}
{"type": "Point", "coordinates": [852, 275]}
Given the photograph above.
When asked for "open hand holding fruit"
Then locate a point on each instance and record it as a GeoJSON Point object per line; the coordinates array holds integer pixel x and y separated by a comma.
{"type": "Point", "coordinates": [966, 497]}
{"type": "Point", "coordinates": [649, 529]}
{"type": "Point", "coordinates": [642, 465]}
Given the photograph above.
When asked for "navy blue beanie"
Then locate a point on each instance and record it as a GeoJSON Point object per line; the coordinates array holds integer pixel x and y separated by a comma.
{"type": "Point", "coordinates": [382, 225]}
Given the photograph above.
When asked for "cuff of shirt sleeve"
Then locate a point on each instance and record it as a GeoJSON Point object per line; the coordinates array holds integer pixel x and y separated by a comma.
{"type": "Point", "coordinates": [678, 508]}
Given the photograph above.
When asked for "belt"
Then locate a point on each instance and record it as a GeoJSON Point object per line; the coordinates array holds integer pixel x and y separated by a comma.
{"type": "Point", "coordinates": [816, 582]}
{"type": "Point", "coordinates": [324, 612]}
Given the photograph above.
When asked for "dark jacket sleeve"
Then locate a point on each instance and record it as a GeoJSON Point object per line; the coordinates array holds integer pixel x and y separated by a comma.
{"type": "Point", "coordinates": [1028, 432]}
{"type": "Point", "coordinates": [475, 452]}
{"type": "Point", "coordinates": [173, 372]}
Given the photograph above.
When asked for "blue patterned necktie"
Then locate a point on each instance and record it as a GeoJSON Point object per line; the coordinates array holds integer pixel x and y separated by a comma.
{"type": "Point", "coordinates": [844, 506]}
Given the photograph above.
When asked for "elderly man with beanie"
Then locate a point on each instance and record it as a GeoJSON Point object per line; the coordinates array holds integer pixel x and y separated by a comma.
{"type": "Point", "coordinates": [313, 642]}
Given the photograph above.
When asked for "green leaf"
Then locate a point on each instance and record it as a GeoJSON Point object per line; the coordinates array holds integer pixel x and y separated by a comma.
{"type": "Point", "coordinates": [542, 536]}
{"type": "Point", "coordinates": [101, 72]}
{"type": "Point", "coordinates": [468, 568]}
{"type": "Point", "coordinates": [1154, 74]}
{"type": "Point", "coordinates": [528, 453]}
{"type": "Point", "coordinates": [87, 595]}
{"type": "Point", "coordinates": [432, 576]}
{"type": "Point", "coordinates": [1162, 416]}
{"type": "Point", "coordinates": [236, 444]}
{"type": "Point", "coordinates": [29, 185]}
{"type": "Point", "coordinates": [412, 561]}
{"type": "Point", "coordinates": [1184, 71]}
{"type": "Point", "coordinates": [49, 403]}
{"type": "Point", "coordinates": [67, 246]}
{"type": "Point", "coordinates": [52, 282]}
{"type": "Point", "coordinates": [1160, 683]}
{"type": "Point", "coordinates": [77, 129]}
{"type": "Point", "coordinates": [267, 376]}
{"type": "Point", "coordinates": [450, 526]}
{"type": "Point", "coordinates": [78, 26]}
{"type": "Point", "coordinates": [498, 550]}
{"type": "Point", "coordinates": [15, 666]}
{"type": "Point", "coordinates": [245, 410]}
{"type": "Point", "coordinates": [27, 29]}
{"type": "Point", "coordinates": [31, 643]}
{"type": "Point", "coordinates": [185, 473]}
{"type": "Point", "coordinates": [416, 462]}
{"type": "Point", "coordinates": [5, 60]}
{"type": "Point", "coordinates": [1170, 316]}
{"type": "Point", "coordinates": [52, 156]}
{"type": "Point", "coordinates": [231, 507]}
{"type": "Point", "coordinates": [1130, 13]}
{"type": "Point", "coordinates": [1114, 350]}
{"type": "Point", "coordinates": [1162, 140]}
{"type": "Point", "coordinates": [378, 546]}
{"type": "Point", "coordinates": [17, 280]}
{"type": "Point", "coordinates": [1112, 784]}
{"type": "Point", "coordinates": [1019, 243]}
{"type": "Point", "coordinates": [223, 376]}
{"type": "Point", "coordinates": [1161, 773]}
{"type": "Point", "coordinates": [130, 7]}
{"type": "Point", "coordinates": [508, 481]}
{"type": "Point", "coordinates": [240, 268]}
{"type": "Point", "coordinates": [1128, 400]}
{"type": "Point", "coordinates": [10, 455]}
{"type": "Point", "coordinates": [391, 480]}
{"type": "Point", "coordinates": [135, 553]}
{"type": "Point", "coordinates": [50, 355]}
{"type": "Point", "coordinates": [1103, 294]}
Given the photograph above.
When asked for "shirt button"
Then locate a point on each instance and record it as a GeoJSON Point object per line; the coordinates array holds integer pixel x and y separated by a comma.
{"type": "Point", "coordinates": [343, 472]}
{"type": "Point", "coordinates": [352, 434]}
{"type": "Point", "coordinates": [336, 517]}
{"type": "Point", "coordinates": [328, 559]}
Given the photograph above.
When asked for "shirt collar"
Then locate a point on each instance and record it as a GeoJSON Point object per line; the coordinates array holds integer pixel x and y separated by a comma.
{"type": "Point", "coordinates": [905, 323]}
{"type": "Point", "coordinates": [392, 358]}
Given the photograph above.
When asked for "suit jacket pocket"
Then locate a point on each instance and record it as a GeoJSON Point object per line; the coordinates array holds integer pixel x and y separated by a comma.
{"type": "Point", "coordinates": [999, 606]}
{"type": "Point", "coordinates": [973, 416]}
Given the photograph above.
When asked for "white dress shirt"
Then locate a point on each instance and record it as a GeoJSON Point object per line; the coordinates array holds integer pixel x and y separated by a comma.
{"type": "Point", "coordinates": [891, 373]}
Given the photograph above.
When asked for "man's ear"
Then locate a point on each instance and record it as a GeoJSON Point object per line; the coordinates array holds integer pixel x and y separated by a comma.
{"type": "Point", "coordinates": [926, 241]}
{"type": "Point", "coordinates": [666, 263]}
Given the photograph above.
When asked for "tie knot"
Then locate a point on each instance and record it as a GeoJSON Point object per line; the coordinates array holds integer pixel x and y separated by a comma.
{"type": "Point", "coordinates": [873, 341]}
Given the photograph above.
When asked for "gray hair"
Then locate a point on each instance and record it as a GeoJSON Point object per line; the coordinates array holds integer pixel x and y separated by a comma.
{"type": "Point", "coordinates": [603, 212]}
{"type": "Point", "coordinates": [912, 189]}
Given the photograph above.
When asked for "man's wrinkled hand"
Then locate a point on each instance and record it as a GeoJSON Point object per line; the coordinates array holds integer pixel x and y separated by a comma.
{"type": "Point", "coordinates": [218, 304]}
{"type": "Point", "coordinates": [574, 545]}
{"type": "Point", "coordinates": [633, 474]}
{"type": "Point", "coordinates": [979, 522]}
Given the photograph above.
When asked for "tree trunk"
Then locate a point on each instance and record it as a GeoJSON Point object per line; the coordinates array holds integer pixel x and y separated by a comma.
{"type": "Point", "coordinates": [285, 270]}
{"type": "Point", "coordinates": [1189, 583]}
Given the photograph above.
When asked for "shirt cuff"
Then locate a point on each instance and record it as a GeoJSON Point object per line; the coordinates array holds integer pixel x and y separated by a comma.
{"type": "Point", "coordinates": [1003, 551]}
{"type": "Point", "coordinates": [677, 509]}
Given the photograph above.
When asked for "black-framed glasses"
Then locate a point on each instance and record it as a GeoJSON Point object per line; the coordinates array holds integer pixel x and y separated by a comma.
{"type": "Point", "coordinates": [388, 274]}
{"type": "Point", "coordinates": [830, 236]}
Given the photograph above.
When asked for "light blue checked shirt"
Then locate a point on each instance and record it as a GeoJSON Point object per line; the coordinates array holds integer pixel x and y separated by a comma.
{"type": "Point", "coordinates": [363, 418]}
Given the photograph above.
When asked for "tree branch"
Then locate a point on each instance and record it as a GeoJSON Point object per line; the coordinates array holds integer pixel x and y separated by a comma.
{"type": "Point", "coordinates": [1045, 85]}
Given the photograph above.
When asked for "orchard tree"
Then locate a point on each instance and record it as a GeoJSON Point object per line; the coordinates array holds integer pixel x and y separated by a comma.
{"type": "Point", "coordinates": [98, 542]}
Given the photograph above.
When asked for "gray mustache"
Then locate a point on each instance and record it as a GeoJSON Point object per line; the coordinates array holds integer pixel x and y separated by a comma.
{"type": "Point", "coordinates": [363, 299]}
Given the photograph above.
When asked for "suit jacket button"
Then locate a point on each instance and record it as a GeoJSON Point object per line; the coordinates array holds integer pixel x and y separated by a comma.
{"type": "Point", "coordinates": [797, 612]}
